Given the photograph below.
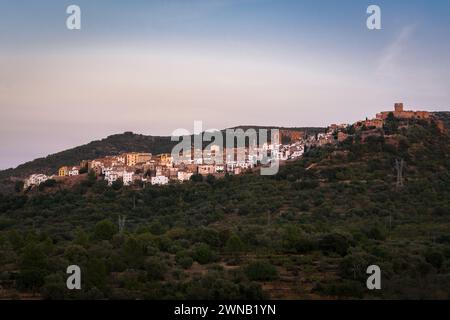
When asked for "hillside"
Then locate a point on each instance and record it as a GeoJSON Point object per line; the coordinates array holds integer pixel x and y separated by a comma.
{"type": "Point", "coordinates": [444, 116]}
{"type": "Point", "coordinates": [112, 145]}
{"type": "Point", "coordinates": [308, 232]}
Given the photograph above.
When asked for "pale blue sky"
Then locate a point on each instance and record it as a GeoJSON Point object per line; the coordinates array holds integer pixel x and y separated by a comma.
{"type": "Point", "coordinates": [154, 66]}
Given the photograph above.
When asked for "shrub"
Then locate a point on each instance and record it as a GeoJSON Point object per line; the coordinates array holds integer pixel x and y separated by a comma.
{"type": "Point", "coordinates": [234, 244]}
{"type": "Point", "coordinates": [184, 260]}
{"type": "Point", "coordinates": [261, 271]}
{"type": "Point", "coordinates": [32, 278]}
{"type": "Point", "coordinates": [354, 265]}
{"type": "Point", "coordinates": [435, 258]}
{"type": "Point", "coordinates": [54, 287]}
{"type": "Point", "coordinates": [335, 243]}
{"type": "Point", "coordinates": [155, 268]}
{"type": "Point", "coordinates": [202, 253]}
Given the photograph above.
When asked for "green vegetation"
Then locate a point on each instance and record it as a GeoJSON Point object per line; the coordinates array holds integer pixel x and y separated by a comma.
{"type": "Point", "coordinates": [261, 270]}
{"type": "Point", "coordinates": [308, 232]}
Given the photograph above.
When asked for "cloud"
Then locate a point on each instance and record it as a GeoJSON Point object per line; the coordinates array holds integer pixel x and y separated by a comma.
{"type": "Point", "coordinates": [391, 56]}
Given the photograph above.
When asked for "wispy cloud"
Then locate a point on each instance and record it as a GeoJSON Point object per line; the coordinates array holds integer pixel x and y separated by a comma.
{"type": "Point", "coordinates": [391, 56]}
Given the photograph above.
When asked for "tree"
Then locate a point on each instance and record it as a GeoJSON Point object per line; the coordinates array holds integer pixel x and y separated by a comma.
{"type": "Point", "coordinates": [184, 260]}
{"type": "Point", "coordinates": [33, 267]}
{"type": "Point", "coordinates": [104, 230]}
{"type": "Point", "coordinates": [81, 237]}
{"type": "Point", "coordinates": [54, 287]}
{"type": "Point", "coordinates": [202, 253]}
{"type": "Point", "coordinates": [18, 186]}
{"type": "Point", "coordinates": [334, 242]}
{"type": "Point", "coordinates": [33, 257]}
{"type": "Point", "coordinates": [390, 124]}
{"type": "Point", "coordinates": [353, 266]}
{"type": "Point", "coordinates": [234, 244]}
{"type": "Point", "coordinates": [31, 279]}
{"type": "Point", "coordinates": [76, 254]}
{"type": "Point", "coordinates": [155, 268]}
{"type": "Point", "coordinates": [133, 252]}
{"type": "Point", "coordinates": [96, 274]}
{"type": "Point", "coordinates": [196, 178]}
{"type": "Point", "coordinates": [435, 258]}
{"type": "Point", "coordinates": [210, 179]}
{"type": "Point", "coordinates": [295, 240]}
{"type": "Point", "coordinates": [117, 185]}
{"type": "Point", "coordinates": [91, 178]}
{"type": "Point", "coordinates": [157, 228]}
{"type": "Point", "coordinates": [83, 170]}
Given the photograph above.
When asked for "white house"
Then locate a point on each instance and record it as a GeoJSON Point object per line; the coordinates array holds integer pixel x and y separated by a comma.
{"type": "Point", "coordinates": [128, 177]}
{"type": "Point", "coordinates": [297, 153]}
{"type": "Point", "coordinates": [112, 174]}
{"type": "Point", "coordinates": [231, 165]}
{"type": "Point", "coordinates": [35, 180]}
{"type": "Point", "coordinates": [106, 170]}
{"type": "Point", "coordinates": [74, 171]}
{"type": "Point", "coordinates": [237, 170]}
{"type": "Point", "coordinates": [159, 180]}
{"type": "Point", "coordinates": [111, 177]}
{"type": "Point", "coordinates": [284, 154]}
{"type": "Point", "coordinates": [184, 175]}
{"type": "Point", "coordinates": [220, 168]}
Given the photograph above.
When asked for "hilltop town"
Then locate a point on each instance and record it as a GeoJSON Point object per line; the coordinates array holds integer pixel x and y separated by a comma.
{"type": "Point", "coordinates": [372, 192]}
{"type": "Point", "coordinates": [139, 168]}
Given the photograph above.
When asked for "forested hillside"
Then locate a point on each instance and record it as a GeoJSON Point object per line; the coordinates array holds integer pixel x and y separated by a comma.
{"type": "Point", "coordinates": [308, 232]}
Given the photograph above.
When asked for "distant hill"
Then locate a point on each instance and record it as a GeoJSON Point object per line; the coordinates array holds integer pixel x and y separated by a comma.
{"type": "Point", "coordinates": [112, 145]}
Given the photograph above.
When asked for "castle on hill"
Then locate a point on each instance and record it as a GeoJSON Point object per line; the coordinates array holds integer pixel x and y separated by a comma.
{"type": "Point", "coordinates": [402, 114]}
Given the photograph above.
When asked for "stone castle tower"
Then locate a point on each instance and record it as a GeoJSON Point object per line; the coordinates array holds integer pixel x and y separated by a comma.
{"type": "Point", "coordinates": [398, 107]}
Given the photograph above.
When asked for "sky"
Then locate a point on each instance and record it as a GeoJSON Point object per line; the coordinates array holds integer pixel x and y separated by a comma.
{"type": "Point", "coordinates": [158, 65]}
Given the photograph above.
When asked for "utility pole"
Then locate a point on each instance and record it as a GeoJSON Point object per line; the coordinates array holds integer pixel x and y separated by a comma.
{"type": "Point", "coordinates": [399, 164]}
{"type": "Point", "coordinates": [122, 220]}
